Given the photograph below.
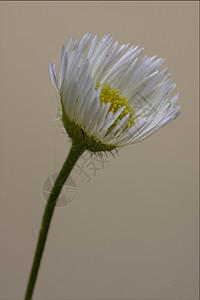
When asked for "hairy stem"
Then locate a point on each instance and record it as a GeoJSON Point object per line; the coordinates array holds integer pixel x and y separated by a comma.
{"type": "Point", "coordinates": [74, 154]}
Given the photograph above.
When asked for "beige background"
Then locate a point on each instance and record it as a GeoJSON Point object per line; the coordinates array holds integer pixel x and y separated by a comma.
{"type": "Point", "coordinates": [132, 231]}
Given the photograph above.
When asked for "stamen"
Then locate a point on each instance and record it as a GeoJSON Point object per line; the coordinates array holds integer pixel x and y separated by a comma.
{"type": "Point", "coordinates": [117, 101]}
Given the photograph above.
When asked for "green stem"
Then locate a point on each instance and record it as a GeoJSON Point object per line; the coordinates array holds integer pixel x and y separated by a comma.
{"type": "Point", "coordinates": [74, 154]}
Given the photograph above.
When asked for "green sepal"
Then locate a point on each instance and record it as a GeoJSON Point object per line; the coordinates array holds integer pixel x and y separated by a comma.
{"type": "Point", "coordinates": [80, 138]}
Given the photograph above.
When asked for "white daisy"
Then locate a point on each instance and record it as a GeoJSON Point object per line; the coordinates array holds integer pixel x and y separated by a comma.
{"type": "Point", "coordinates": [109, 98]}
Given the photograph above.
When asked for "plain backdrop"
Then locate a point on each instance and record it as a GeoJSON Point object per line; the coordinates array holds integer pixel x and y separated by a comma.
{"type": "Point", "coordinates": [131, 232]}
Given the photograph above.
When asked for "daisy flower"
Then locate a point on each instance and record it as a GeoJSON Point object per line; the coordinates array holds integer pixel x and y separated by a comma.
{"type": "Point", "coordinates": [109, 96]}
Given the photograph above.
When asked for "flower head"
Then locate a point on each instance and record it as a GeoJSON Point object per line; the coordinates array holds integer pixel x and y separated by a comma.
{"type": "Point", "coordinates": [109, 97]}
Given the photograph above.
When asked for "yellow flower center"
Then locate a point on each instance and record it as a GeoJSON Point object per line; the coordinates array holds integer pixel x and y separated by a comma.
{"type": "Point", "coordinates": [117, 101]}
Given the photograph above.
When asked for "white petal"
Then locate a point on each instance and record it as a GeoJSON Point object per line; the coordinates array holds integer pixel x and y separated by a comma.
{"type": "Point", "coordinates": [53, 75]}
{"type": "Point", "coordinates": [91, 113]}
{"type": "Point", "coordinates": [63, 74]}
{"type": "Point", "coordinates": [105, 107]}
{"type": "Point", "coordinates": [113, 119]}
{"type": "Point", "coordinates": [118, 128]}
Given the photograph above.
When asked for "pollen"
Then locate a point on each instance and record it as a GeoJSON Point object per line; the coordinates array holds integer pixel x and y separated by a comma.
{"type": "Point", "coordinates": [108, 94]}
